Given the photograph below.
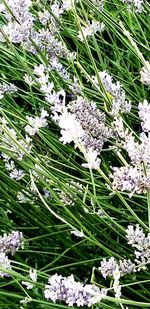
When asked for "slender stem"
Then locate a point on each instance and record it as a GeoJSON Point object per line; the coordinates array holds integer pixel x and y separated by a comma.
{"type": "Point", "coordinates": [107, 98]}
{"type": "Point", "coordinates": [120, 156]}
{"type": "Point", "coordinates": [148, 203]}
{"type": "Point", "coordinates": [128, 302]}
{"type": "Point", "coordinates": [123, 200]}
{"type": "Point", "coordinates": [139, 54]}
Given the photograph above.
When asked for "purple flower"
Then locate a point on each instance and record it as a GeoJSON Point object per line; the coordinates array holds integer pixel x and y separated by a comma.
{"type": "Point", "coordinates": [11, 242]}
{"type": "Point", "coordinates": [72, 292]}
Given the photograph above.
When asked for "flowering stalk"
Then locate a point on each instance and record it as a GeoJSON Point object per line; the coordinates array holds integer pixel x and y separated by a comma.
{"type": "Point", "coordinates": [122, 199]}
{"type": "Point", "coordinates": [90, 237]}
{"type": "Point", "coordinates": [107, 98]}
{"type": "Point", "coordinates": [92, 82]}
{"type": "Point", "coordinates": [72, 292]}
{"type": "Point", "coordinates": [140, 55]}
{"type": "Point", "coordinates": [148, 202]}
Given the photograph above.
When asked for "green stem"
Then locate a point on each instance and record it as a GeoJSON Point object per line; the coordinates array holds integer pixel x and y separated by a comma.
{"type": "Point", "coordinates": [139, 54]}
{"type": "Point", "coordinates": [123, 200]}
{"type": "Point", "coordinates": [127, 302]}
{"type": "Point", "coordinates": [148, 203]}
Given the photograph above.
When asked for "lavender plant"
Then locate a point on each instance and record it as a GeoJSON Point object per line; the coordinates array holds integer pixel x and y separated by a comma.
{"type": "Point", "coordinates": [74, 143]}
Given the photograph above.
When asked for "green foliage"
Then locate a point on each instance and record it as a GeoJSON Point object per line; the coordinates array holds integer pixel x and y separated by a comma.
{"type": "Point", "coordinates": [46, 223]}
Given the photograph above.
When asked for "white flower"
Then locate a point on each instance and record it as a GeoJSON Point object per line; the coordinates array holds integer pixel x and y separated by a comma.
{"type": "Point", "coordinates": [39, 69]}
{"type": "Point", "coordinates": [145, 74]}
{"type": "Point", "coordinates": [71, 129]}
{"type": "Point", "coordinates": [44, 113]}
{"type": "Point", "coordinates": [131, 179]}
{"type": "Point", "coordinates": [91, 29]}
{"type": "Point", "coordinates": [92, 161]}
{"type": "Point", "coordinates": [47, 88]}
{"type": "Point", "coordinates": [116, 273]}
{"type": "Point", "coordinates": [44, 17]}
{"type": "Point", "coordinates": [33, 274]}
{"type": "Point", "coordinates": [26, 147]}
{"type": "Point", "coordinates": [17, 30]}
{"type": "Point", "coordinates": [10, 165]}
{"type": "Point", "coordinates": [17, 174]}
{"type": "Point", "coordinates": [1, 94]}
{"type": "Point", "coordinates": [67, 5]}
{"type": "Point", "coordinates": [4, 263]}
{"type": "Point", "coordinates": [117, 289]}
{"type": "Point", "coordinates": [116, 284]}
{"type": "Point", "coordinates": [28, 79]}
{"type": "Point", "coordinates": [33, 277]}
{"type": "Point", "coordinates": [22, 198]}
{"type": "Point", "coordinates": [56, 9]}
{"type": "Point", "coordinates": [82, 123]}
{"type": "Point", "coordinates": [78, 233]}
{"type": "Point", "coordinates": [118, 127]}
{"type": "Point", "coordinates": [138, 4]}
{"type": "Point", "coordinates": [25, 300]}
{"type": "Point", "coordinates": [115, 92]}
{"type": "Point", "coordinates": [6, 88]}
{"type": "Point", "coordinates": [35, 123]}
{"type": "Point", "coordinates": [144, 113]}
{"type": "Point", "coordinates": [43, 79]}
{"type": "Point", "coordinates": [98, 297]}
{"type": "Point", "coordinates": [18, 147]}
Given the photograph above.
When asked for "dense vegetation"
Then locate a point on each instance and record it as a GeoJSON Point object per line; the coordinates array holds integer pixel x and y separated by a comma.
{"type": "Point", "coordinates": [75, 154]}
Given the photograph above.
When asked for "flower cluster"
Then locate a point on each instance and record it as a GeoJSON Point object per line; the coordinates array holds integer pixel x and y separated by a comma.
{"type": "Point", "coordinates": [116, 283]}
{"type": "Point", "coordinates": [92, 122]}
{"type": "Point", "coordinates": [44, 17]}
{"type": "Point", "coordinates": [25, 301]}
{"type": "Point", "coordinates": [99, 4]}
{"type": "Point", "coordinates": [58, 8]}
{"type": "Point", "coordinates": [111, 268]}
{"type": "Point", "coordinates": [14, 145]}
{"type": "Point", "coordinates": [131, 179]}
{"type": "Point", "coordinates": [20, 29]}
{"type": "Point", "coordinates": [9, 139]}
{"type": "Point", "coordinates": [144, 114]}
{"type": "Point", "coordinates": [20, 20]}
{"type": "Point", "coordinates": [10, 166]}
{"type": "Point", "coordinates": [24, 197]}
{"type": "Point", "coordinates": [108, 267]}
{"type": "Point", "coordinates": [4, 263]}
{"type": "Point", "coordinates": [47, 87]}
{"type": "Point", "coordinates": [35, 123]}
{"type": "Point", "coordinates": [7, 88]}
{"type": "Point", "coordinates": [82, 123]}
{"type": "Point", "coordinates": [17, 147]}
{"type": "Point", "coordinates": [145, 74]}
{"type": "Point", "coordinates": [44, 39]}
{"type": "Point", "coordinates": [118, 100]}
{"type": "Point", "coordinates": [72, 292]}
{"type": "Point", "coordinates": [70, 197]}
{"type": "Point", "coordinates": [91, 29]}
{"type": "Point", "coordinates": [33, 277]}
{"type": "Point", "coordinates": [138, 240]}
{"type": "Point", "coordinates": [9, 244]}
{"type": "Point", "coordinates": [134, 177]}
{"type": "Point", "coordinates": [136, 4]}
{"type": "Point", "coordinates": [48, 38]}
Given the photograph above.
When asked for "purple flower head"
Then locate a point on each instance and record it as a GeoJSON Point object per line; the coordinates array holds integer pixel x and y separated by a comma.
{"type": "Point", "coordinates": [72, 292]}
